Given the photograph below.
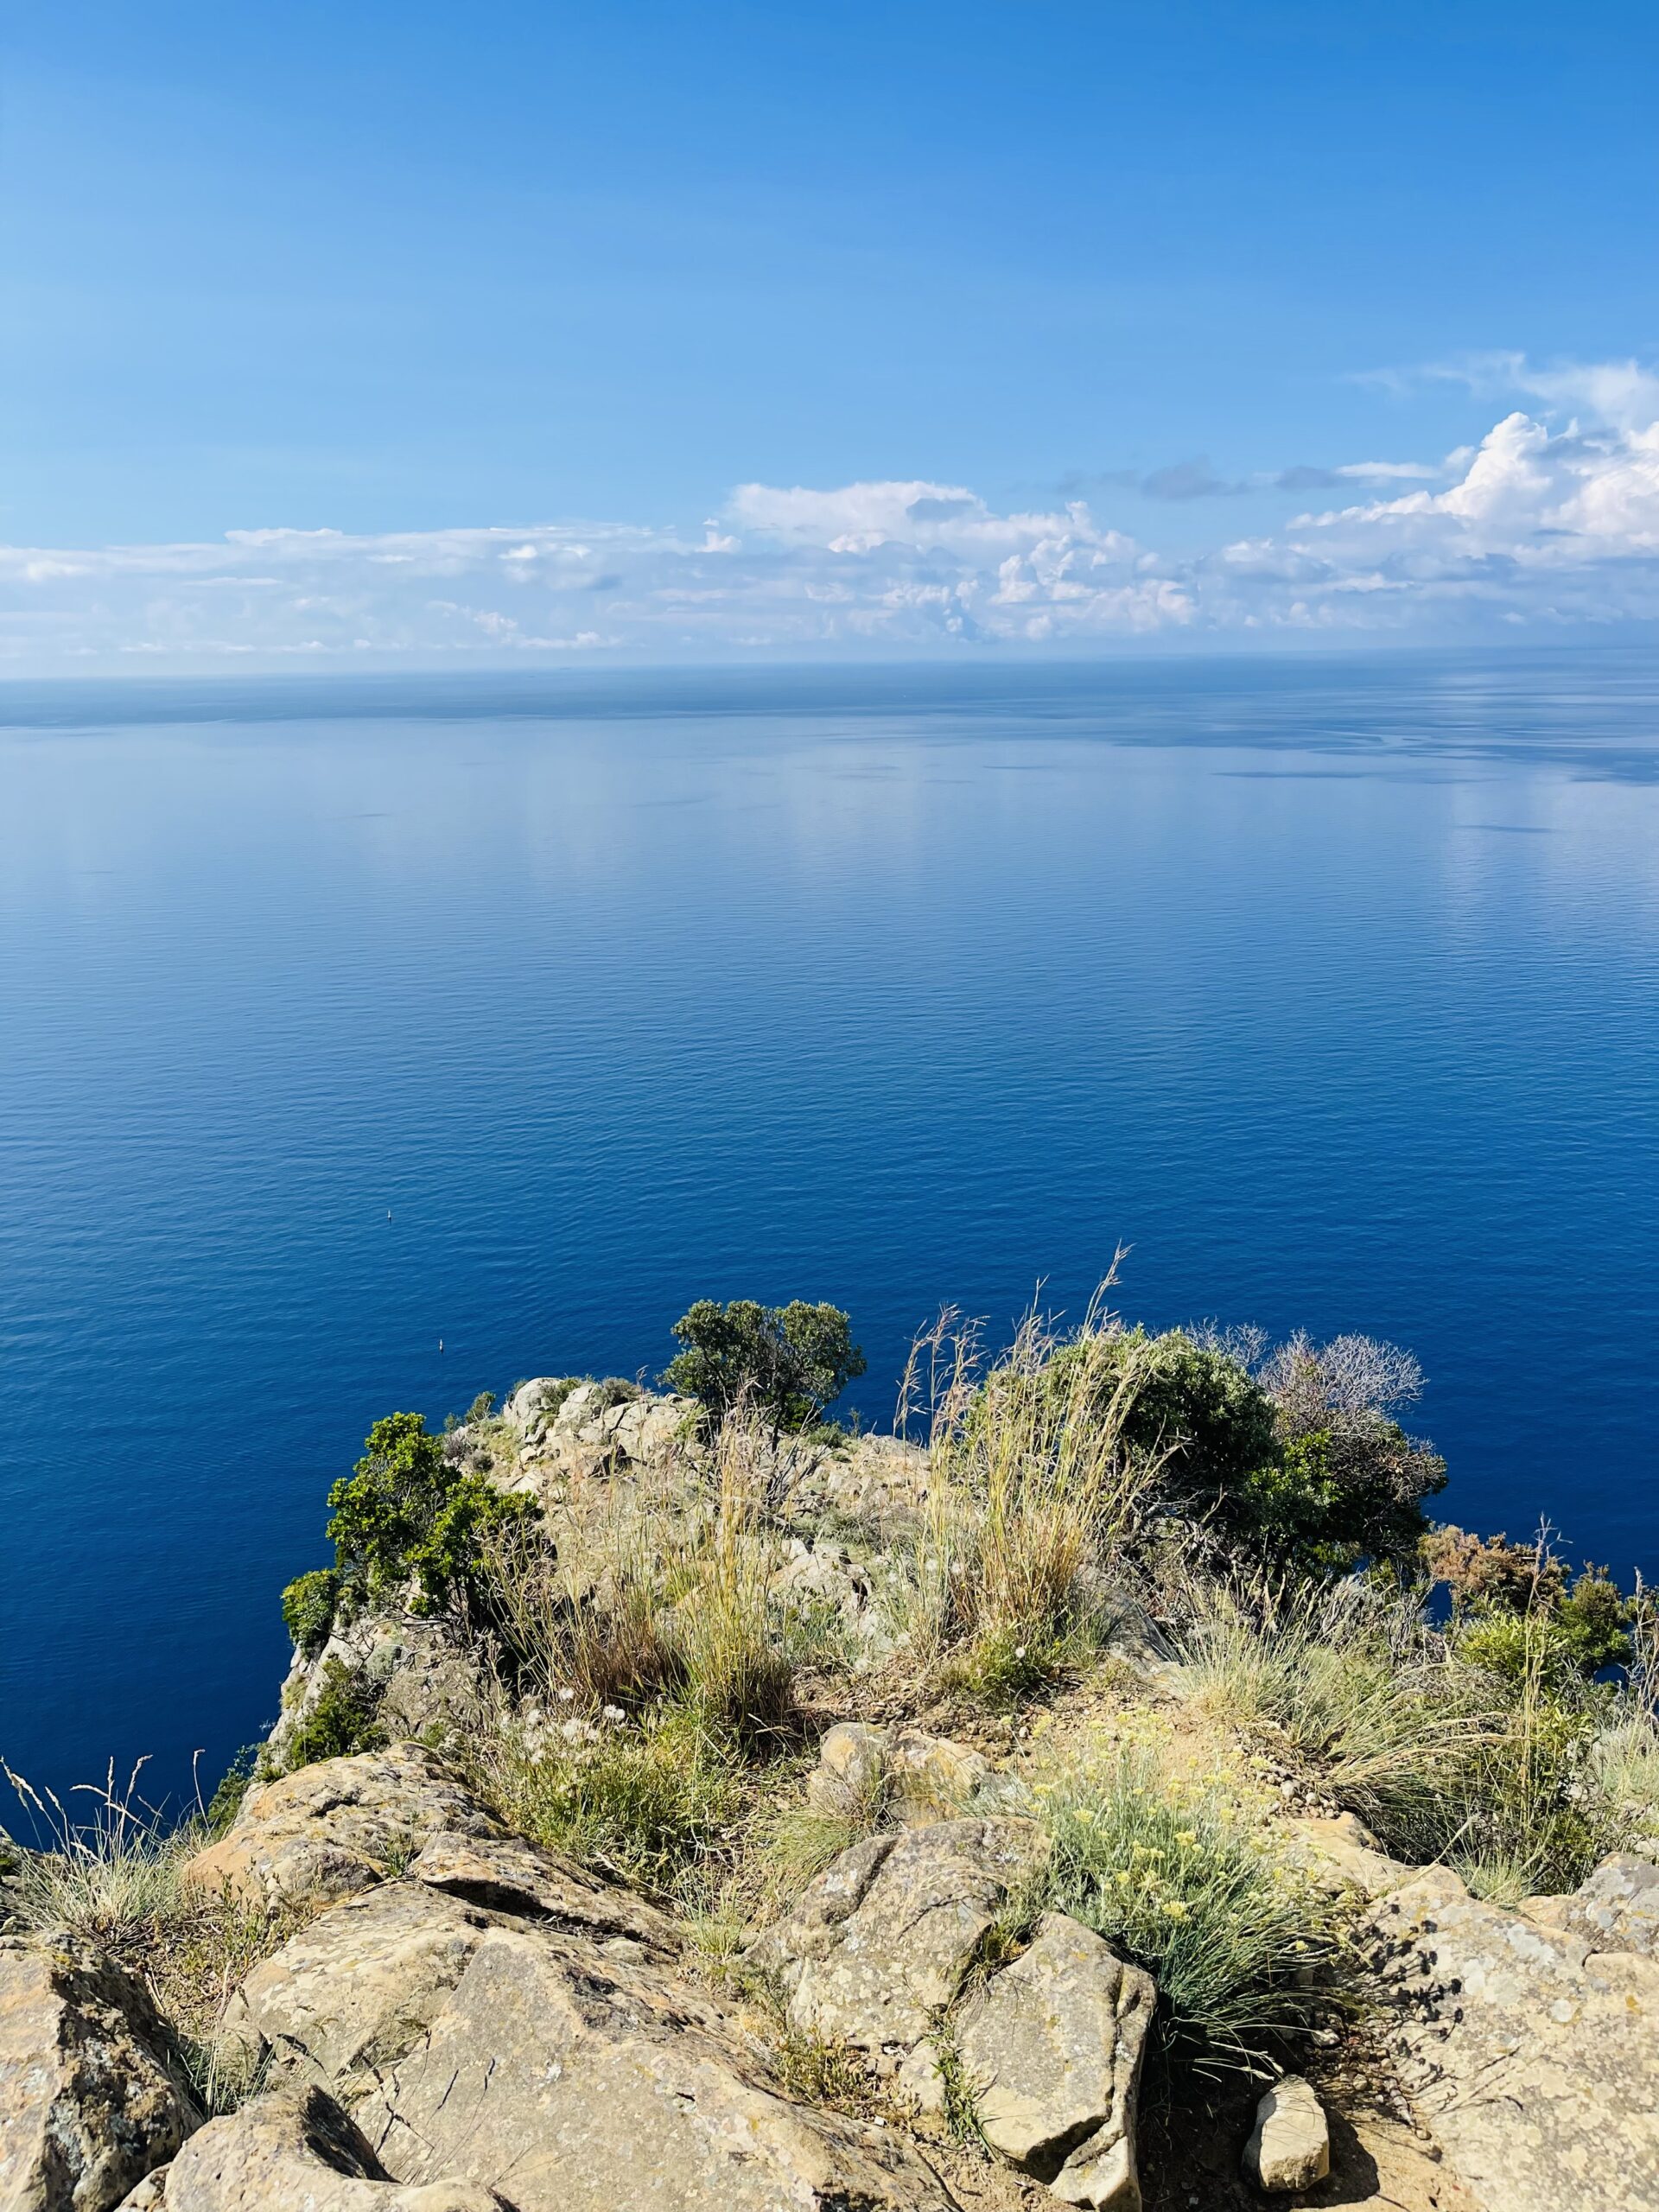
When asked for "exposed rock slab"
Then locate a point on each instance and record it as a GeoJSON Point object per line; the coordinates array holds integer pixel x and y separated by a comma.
{"type": "Point", "coordinates": [1532, 2054]}
{"type": "Point", "coordinates": [88, 2105]}
{"type": "Point", "coordinates": [349, 1995]}
{"type": "Point", "coordinates": [297, 2151]}
{"type": "Point", "coordinates": [336, 1828]}
{"type": "Point", "coordinates": [877, 1945]}
{"type": "Point", "coordinates": [1052, 2048]}
{"type": "Point", "coordinates": [1290, 2144]}
{"type": "Point", "coordinates": [570, 2081]}
{"type": "Point", "coordinates": [510, 1874]}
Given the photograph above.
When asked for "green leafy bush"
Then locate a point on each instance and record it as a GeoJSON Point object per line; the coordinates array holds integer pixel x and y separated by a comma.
{"type": "Point", "coordinates": [341, 1721]}
{"type": "Point", "coordinates": [409, 1519]}
{"type": "Point", "coordinates": [309, 1604]}
{"type": "Point", "coordinates": [783, 1363]}
{"type": "Point", "coordinates": [1515, 1608]}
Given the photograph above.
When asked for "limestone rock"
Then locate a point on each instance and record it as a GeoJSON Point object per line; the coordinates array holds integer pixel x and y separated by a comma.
{"type": "Point", "coordinates": [1290, 2145]}
{"type": "Point", "coordinates": [851, 1774]}
{"type": "Point", "coordinates": [818, 1573]}
{"type": "Point", "coordinates": [510, 1874]}
{"type": "Point", "coordinates": [347, 1996]}
{"type": "Point", "coordinates": [879, 1483]}
{"type": "Point", "coordinates": [297, 2151]}
{"type": "Point", "coordinates": [1616, 1908]}
{"type": "Point", "coordinates": [151, 2194]}
{"type": "Point", "coordinates": [337, 1827]}
{"type": "Point", "coordinates": [1531, 2053]}
{"type": "Point", "coordinates": [88, 2102]}
{"type": "Point", "coordinates": [425, 1678]}
{"type": "Point", "coordinates": [571, 2081]}
{"type": "Point", "coordinates": [933, 1779]}
{"type": "Point", "coordinates": [1052, 2048]}
{"type": "Point", "coordinates": [1343, 1854]}
{"type": "Point", "coordinates": [877, 1945]}
{"type": "Point", "coordinates": [915, 1778]}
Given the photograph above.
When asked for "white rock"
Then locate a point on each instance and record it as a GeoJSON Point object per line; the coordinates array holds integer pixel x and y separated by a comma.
{"type": "Point", "coordinates": [1290, 2145]}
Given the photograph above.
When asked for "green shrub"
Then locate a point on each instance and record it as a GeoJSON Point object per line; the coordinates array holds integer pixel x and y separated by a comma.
{"type": "Point", "coordinates": [233, 1786]}
{"type": "Point", "coordinates": [1515, 1609]}
{"type": "Point", "coordinates": [408, 1519]}
{"type": "Point", "coordinates": [1173, 1879]}
{"type": "Point", "coordinates": [785, 1365]}
{"type": "Point", "coordinates": [341, 1721]}
{"type": "Point", "coordinates": [1300, 1484]}
{"type": "Point", "coordinates": [309, 1604]}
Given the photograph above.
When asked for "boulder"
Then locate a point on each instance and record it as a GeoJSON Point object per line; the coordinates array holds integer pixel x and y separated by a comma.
{"type": "Point", "coordinates": [151, 2194]}
{"type": "Point", "coordinates": [1531, 2053]}
{"type": "Point", "coordinates": [1290, 2145]}
{"type": "Point", "coordinates": [336, 1828]}
{"type": "Point", "coordinates": [933, 1779]}
{"type": "Point", "coordinates": [571, 2079]}
{"type": "Point", "coordinates": [851, 1777]}
{"type": "Point", "coordinates": [1616, 1908]}
{"type": "Point", "coordinates": [88, 2104]}
{"type": "Point", "coordinates": [1051, 2049]}
{"type": "Point", "coordinates": [297, 2151]}
{"type": "Point", "coordinates": [1343, 1854]}
{"type": "Point", "coordinates": [915, 1778]}
{"type": "Point", "coordinates": [876, 1946]}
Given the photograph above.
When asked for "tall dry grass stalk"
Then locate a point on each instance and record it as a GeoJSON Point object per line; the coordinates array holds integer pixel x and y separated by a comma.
{"type": "Point", "coordinates": [661, 1590]}
{"type": "Point", "coordinates": [1032, 1487]}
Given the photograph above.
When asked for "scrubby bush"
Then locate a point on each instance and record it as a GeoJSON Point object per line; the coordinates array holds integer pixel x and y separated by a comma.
{"type": "Point", "coordinates": [342, 1720]}
{"type": "Point", "coordinates": [784, 1364]}
{"type": "Point", "coordinates": [1515, 1608]}
{"type": "Point", "coordinates": [1291, 1464]}
{"type": "Point", "coordinates": [309, 1604]}
{"type": "Point", "coordinates": [409, 1523]}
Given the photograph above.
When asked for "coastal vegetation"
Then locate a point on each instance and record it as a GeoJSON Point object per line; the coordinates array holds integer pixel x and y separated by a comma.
{"type": "Point", "coordinates": [1161, 1594]}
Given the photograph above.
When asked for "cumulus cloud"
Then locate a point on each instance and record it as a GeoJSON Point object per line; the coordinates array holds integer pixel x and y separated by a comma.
{"type": "Point", "coordinates": [1550, 520]}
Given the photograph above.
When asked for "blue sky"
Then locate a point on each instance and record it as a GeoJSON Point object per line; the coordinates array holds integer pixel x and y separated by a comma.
{"type": "Point", "coordinates": [517, 299]}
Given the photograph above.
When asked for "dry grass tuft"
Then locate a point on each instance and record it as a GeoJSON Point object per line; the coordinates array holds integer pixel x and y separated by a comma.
{"type": "Point", "coordinates": [1033, 1491]}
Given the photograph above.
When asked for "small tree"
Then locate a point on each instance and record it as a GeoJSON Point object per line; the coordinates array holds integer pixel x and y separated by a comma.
{"type": "Point", "coordinates": [789, 1363]}
{"type": "Point", "coordinates": [407, 1513]}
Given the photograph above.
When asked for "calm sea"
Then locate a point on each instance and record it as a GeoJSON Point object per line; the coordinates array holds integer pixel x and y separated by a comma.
{"type": "Point", "coordinates": [363, 1046]}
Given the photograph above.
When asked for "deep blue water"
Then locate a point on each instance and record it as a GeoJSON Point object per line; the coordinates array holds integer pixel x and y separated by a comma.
{"type": "Point", "coordinates": [1332, 987]}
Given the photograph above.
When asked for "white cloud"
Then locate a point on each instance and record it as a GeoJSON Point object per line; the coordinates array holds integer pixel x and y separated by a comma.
{"type": "Point", "coordinates": [1546, 522]}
